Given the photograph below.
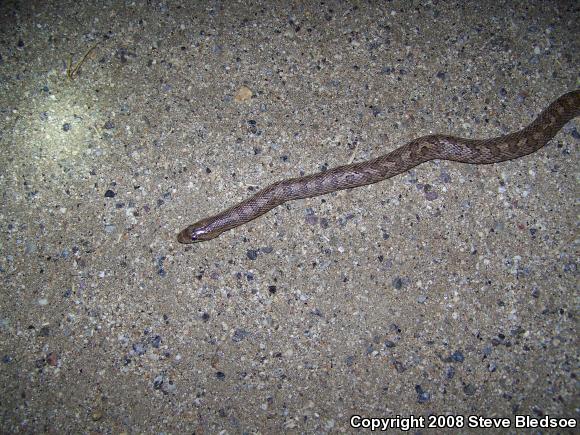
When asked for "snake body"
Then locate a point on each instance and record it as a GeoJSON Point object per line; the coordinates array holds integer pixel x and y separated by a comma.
{"type": "Point", "coordinates": [420, 150]}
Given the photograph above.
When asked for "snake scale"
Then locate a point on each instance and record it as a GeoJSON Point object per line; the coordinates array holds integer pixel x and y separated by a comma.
{"type": "Point", "coordinates": [420, 150]}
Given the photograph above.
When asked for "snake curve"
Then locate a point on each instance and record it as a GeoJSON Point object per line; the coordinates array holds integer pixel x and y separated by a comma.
{"type": "Point", "coordinates": [420, 150]}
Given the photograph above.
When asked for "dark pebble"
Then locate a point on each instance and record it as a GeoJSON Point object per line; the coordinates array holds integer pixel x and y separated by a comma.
{"type": "Point", "coordinates": [445, 177]}
{"type": "Point", "coordinates": [220, 375]}
{"type": "Point", "coordinates": [205, 317]}
{"type": "Point", "coordinates": [457, 356]}
{"type": "Point", "coordinates": [66, 126]}
{"type": "Point", "coordinates": [158, 382]}
{"type": "Point", "coordinates": [422, 396]}
{"type": "Point", "coordinates": [397, 283]}
{"type": "Point", "coordinates": [344, 219]}
{"type": "Point", "coordinates": [239, 335]}
{"type": "Point", "coordinates": [570, 267]}
{"type": "Point", "coordinates": [272, 289]}
{"type": "Point", "coordinates": [431, 195]}
{"type": "Point", "coordinates": [156, 342]}
{"type": "Point", "coordinates": [389, 343]}
{"type": "Point", "coordinates": [139, 349]}
{"type": "Point", "coordinates": [449, 372]}
{"type": "Point", "coordinates": [469, 389]}
{"type": "Point", "coordinates": [109, 125]}
{"type": "Point", "coordinates": [394, 328]}
{"type": "Point", "coordinates": [252, 254]}
{"type": "Point", "coordinates": [252, 126]}
{"type": "Point", "coordinates": [110, 194]}
{"type": "Point", "coordinates": [518, 330]}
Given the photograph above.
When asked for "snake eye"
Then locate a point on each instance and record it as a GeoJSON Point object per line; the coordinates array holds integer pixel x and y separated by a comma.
{"type": "Point", "coordinates": [197, 235]}
{"type": "Point", "coordinates": [186, 236]}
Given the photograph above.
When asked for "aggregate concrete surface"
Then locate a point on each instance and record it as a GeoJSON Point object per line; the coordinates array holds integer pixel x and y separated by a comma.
{"type": "Point", "coordinates": [448, 290]}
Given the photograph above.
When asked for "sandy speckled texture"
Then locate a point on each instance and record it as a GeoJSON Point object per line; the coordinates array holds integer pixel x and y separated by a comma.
{"type": "Point", "coordinates": [448, 289]}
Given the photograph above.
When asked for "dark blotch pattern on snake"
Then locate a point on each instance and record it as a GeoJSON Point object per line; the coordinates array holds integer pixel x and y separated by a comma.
{"type": "Point", "coordinates": [478, 152]}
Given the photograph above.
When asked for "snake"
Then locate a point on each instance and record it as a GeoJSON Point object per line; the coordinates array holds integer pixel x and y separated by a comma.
{"type": "Point", "coordinates": [423, 149]}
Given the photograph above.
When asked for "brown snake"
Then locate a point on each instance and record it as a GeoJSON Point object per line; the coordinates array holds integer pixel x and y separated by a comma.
{"type": "Point", "coordinates": [486, 151]}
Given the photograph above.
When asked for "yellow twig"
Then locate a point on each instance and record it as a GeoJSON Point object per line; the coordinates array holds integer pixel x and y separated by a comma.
{"type": "Point", "coordinates": [72, 70]}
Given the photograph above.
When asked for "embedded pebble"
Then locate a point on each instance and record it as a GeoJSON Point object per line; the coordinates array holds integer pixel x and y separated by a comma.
{"type": "Point", "coordinates": [243, 94]}
{"type": "Point", "coordinates": [252, 254]}
{"type": "Point", "coordinates": [457, 356]}
{"type": "Point", "coordinates": [239, 335]}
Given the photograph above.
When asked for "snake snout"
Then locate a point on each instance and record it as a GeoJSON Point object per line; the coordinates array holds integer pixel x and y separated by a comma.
{"type": "Point", "coordinates": [185, 237]}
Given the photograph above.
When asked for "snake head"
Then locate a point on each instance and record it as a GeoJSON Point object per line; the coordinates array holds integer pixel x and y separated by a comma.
{"type": "Point", "coordinates": [197, 232]}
